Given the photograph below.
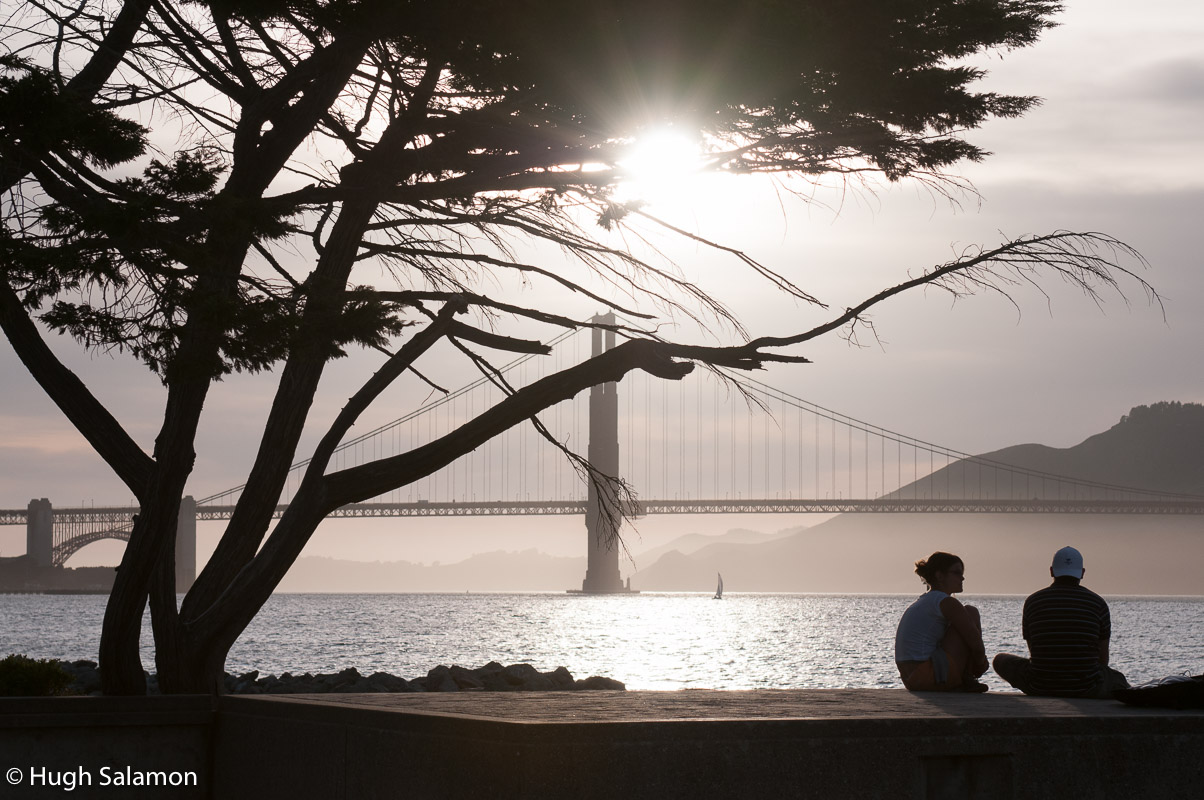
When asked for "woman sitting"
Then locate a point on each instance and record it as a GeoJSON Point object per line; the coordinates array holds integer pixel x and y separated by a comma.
{"type": "Point", "coordinates": [938, 646]}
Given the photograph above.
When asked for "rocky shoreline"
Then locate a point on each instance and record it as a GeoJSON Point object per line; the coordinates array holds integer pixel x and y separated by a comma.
{"type": "Point", "coordinates": [493, 677]}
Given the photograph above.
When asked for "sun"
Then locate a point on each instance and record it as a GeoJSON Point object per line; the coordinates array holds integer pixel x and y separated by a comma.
{"type": "Point", "coordinates": [659, 166]}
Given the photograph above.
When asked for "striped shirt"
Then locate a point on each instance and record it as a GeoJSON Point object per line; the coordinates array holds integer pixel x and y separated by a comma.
{"type": "Point", "coordinates": [1063, 625]}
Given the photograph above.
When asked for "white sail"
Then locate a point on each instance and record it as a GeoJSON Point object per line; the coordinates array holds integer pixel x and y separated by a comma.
{"type": "Point", "coordinates": [719, 588]}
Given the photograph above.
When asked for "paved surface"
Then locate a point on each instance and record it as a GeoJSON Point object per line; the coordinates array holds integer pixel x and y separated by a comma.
{"type": "Point", "coordinates": [705, 704]}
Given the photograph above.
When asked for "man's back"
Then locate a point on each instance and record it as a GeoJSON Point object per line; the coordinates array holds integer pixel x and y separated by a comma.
{"type": "Point", "coordinates": [1064, 625]}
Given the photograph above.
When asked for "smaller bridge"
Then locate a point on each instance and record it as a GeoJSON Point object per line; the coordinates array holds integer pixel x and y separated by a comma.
{"type": "Point", "coordinates": [53, 535]}
{"type": "Point", "coordinates": [76, 528]}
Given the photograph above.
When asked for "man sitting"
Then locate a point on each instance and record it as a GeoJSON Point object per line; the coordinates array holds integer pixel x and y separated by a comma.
{"type": "Point", "coordinates": [1067, 628]}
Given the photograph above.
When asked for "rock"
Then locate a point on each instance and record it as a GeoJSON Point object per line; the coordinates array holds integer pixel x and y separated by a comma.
{"type": "Point", "coordinates": [466, 679]}
{"type": "Point", "coordinates": [310, 684]}
{"type": "Point", "coordinates": [492, 677]}
{"type": "Point", "coordinates": [542, 683]}
{"type": "Point", "coordinates": [598, 682]}
{"type": "Point", "coordinates": [336, 682]}
{"type": "Point", "coordinates": [528, 678]}
{"type": "Point", "coordinates": [561, 678]}
{"type": "Point", "coordinates": [389, 683]}
{"type": "Point", "coordinates": [85, 677]}
{"type": "Point", "coordinates": [440, 679]}
{"type": "Point", "coordinates": [519, 674]}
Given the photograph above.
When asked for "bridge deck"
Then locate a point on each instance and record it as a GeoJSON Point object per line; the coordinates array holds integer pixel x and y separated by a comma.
{"type": "Point", "coordinates": [105, 518]}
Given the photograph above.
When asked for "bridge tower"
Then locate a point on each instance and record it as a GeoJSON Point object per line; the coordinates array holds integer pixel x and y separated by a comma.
{"type": "Point", "coordinates": [186, 545]}
{"type": "Point", "coordinates": [39, 533]}
{"type": "Point", "coordinates": [602, 564]}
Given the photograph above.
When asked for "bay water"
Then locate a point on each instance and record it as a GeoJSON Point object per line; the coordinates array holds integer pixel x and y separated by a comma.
{"type": "Point", "coordinates": [650, 641]}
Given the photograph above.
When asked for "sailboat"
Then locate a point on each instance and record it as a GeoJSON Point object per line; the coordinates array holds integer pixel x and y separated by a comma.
{"type": "Point", "coordinates": [719, 588]}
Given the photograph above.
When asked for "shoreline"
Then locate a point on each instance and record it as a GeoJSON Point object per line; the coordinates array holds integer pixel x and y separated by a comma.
{"type": "Point", "coordinates": [492, 677]}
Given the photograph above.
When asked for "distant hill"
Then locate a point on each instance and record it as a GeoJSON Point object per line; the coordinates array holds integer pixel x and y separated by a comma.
{"type": "Point", "coordinates": [693, 542]}
{"type": "Point", "coordinates": [1159, 447]}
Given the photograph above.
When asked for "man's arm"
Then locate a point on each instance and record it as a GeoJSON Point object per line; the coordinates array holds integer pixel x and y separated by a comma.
{"type": "Point", "coordinates": [1103, 652]}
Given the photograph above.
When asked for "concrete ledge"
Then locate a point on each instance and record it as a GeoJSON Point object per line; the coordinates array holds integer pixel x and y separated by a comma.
{"type": "Point", "coordinates": [829, 744]}
{"type": "Point", "coordinates": [809, 743]}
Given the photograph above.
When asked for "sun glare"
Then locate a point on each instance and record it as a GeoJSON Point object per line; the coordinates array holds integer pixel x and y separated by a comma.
{"type": "Point", "coordinates": [659, 166]}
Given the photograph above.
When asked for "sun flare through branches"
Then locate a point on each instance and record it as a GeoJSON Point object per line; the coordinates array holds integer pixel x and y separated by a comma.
{"type": "Point", "coordinates": [659, 167]}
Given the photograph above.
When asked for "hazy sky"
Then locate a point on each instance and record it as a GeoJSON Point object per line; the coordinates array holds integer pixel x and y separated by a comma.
{"type": "Point", "coordinates": [1115, 148]}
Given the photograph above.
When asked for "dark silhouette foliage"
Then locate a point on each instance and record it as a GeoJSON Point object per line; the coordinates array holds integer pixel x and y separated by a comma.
{"type": "Point", "coordinates": [22, 676]}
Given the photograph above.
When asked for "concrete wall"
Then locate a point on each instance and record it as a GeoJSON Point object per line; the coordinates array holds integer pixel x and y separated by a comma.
{"type": "Point", "coordinates": [354, 753]}
{"type": "Point", "coordinates": [111, 747]}
{"type": "Point", "coordinates": [275, 749]}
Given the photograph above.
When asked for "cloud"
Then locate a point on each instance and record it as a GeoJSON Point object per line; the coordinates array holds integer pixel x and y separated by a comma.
{"type": "Point", "coordinates": [68, 478]}
{"type": "Point", "coordinates": [40, 435]}
{"type": "Point", "coordinates": [1176, 81]}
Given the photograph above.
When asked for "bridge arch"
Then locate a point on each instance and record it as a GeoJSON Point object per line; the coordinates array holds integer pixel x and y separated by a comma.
{"type": "Point", "coordinates": [69, 547]}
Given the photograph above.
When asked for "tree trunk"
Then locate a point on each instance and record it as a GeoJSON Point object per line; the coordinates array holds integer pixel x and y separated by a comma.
{"type": "Point", "coordinates": [165, 621]}
{"type": "Point", "coordinates": [194, 669]}
{"type": "Point", "coordinates": [121, 670]}
{"type": "Point", "coordinates": [120, 664]}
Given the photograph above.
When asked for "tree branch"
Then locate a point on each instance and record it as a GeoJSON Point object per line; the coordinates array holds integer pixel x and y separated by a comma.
{"type": "Point", "coordinates": [409, 297]}
{"type": "Point", "coordinates": [442, 325]}
{"type": "Point", "coordinates": [459, 330]}
{"type": "Point", "coordinates": [1073, 256]}
{"type": "Point", "coordinates": [369, 480]}
{"type": "Point", "coordinates": [103, 432]}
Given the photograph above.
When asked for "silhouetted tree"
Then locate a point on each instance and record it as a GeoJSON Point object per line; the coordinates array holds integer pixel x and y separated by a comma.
{"type": "Point", "coordinates": [433, 138]}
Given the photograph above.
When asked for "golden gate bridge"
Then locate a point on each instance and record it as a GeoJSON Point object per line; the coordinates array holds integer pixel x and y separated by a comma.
{"type": "Point", "coordinates": [712, 443]}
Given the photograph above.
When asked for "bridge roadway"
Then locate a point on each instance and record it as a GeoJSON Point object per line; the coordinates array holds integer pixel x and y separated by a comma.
{"type": "Point", "coordinates": [118, 516]}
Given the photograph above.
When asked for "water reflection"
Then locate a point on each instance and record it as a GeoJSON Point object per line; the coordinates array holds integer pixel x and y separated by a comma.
{"type": "Point", "coordinates": [648, 641]}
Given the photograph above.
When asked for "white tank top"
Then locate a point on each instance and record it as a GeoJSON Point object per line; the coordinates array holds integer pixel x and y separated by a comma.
{"type": "Point", "coordinates": [921, 628]}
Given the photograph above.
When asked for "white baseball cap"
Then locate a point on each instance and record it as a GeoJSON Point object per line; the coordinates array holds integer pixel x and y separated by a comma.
{"type": "Point", "coordinates": [1068, 561]}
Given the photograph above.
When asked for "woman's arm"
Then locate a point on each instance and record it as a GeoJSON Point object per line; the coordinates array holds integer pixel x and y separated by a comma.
{"type": "Point", "coordinates": [967, 627]}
